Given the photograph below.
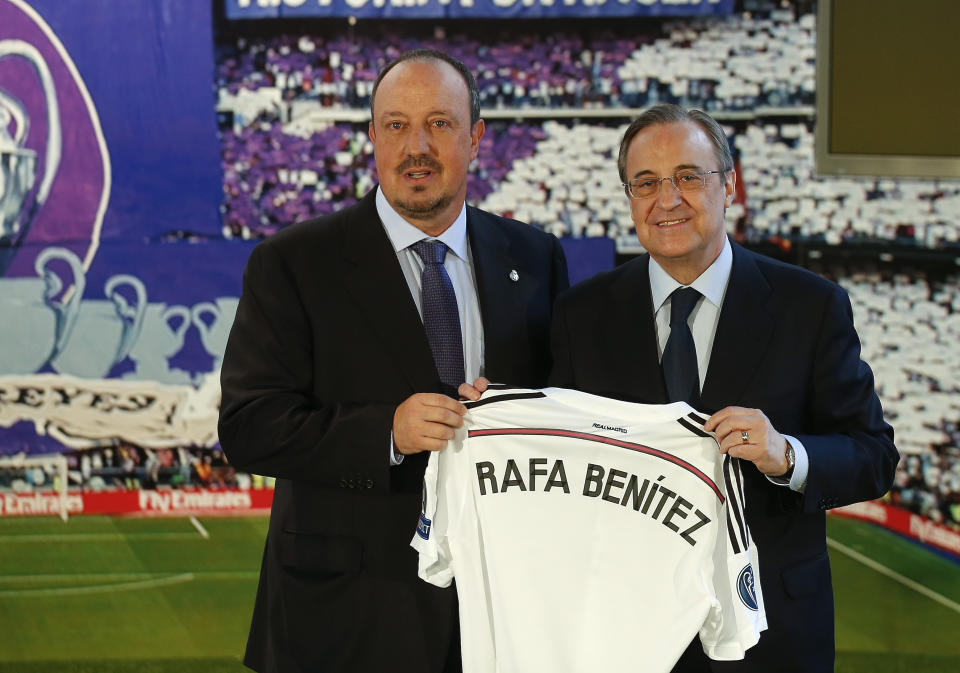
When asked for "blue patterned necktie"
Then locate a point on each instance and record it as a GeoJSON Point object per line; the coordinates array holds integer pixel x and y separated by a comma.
{"type": "Point", "coordinates": [441, 319]}
{"type": "Point", "coordinates": [680, 355]}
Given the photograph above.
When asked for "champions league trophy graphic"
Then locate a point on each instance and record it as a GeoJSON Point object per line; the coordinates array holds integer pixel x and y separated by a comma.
{"type": "Point", "coordinates": [35, 325]}
{"type": "Point", "coordinates": [18, 163]}
{"type": "Point", "coordinates": [103, 332]}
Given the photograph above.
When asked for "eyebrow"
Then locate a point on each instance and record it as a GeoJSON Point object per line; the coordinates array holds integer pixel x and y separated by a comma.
{"type": "Point", "coordinates": [431, 113]}
{"type": "Point", "coordinates": [676, 169]}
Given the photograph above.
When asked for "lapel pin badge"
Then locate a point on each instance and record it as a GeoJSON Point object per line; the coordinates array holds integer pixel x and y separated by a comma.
{"type": "Point", "coordinates": [514, 276]}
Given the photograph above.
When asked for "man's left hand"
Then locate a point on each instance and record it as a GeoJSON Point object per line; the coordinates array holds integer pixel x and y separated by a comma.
{"type": "Point", "coordinates": [473, 392]}
{"type": "Point", "coordinates": [764, 446]}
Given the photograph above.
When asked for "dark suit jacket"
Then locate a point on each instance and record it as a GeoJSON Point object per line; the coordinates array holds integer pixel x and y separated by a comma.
{"type": "Point", "coordinates": [326, 343]}
{"type": "Point", "coordinates": [785, 344]}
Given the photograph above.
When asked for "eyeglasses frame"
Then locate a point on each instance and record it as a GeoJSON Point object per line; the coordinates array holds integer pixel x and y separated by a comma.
{"type": "Point", "coordinates": [703, 183]}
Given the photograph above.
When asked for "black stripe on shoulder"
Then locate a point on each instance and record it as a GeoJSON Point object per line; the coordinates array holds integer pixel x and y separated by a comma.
{"type": "Point", "coordinates": [731, 533]}
{"type": "Point", "coordinates": [693, 428]}
{"type": "Point", "coordinates": [696, 418]}
{"type": "Point", "coordinates": [504, 398]}
{"type": "Point", "coordinates": [741, 498]}
{"type": "Point", "coordinates": [733, 502]}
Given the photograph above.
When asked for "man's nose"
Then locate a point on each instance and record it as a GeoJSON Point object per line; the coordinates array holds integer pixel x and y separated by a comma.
{"type": "Point", "coordinates": [418, 141]}
{"type": "Point", "coordinates": [668, 196]}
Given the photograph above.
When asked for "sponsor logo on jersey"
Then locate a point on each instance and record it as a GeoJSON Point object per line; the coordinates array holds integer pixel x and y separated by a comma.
{"type": "Point", "coordinates": [423, 527]}
{"type": "Point", "coordinates": [746, 588]}
{"type": "Point", "coordinates": [601, 426]}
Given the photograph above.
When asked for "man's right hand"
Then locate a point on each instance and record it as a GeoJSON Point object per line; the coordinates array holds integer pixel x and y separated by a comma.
{"type": "Point", "coordinates": [425, 421]}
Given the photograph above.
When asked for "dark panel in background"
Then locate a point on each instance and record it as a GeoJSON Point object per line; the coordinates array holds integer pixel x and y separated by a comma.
{"type": "Point", "coordinates": [888, 87]}
{"type": "Point", "coordinates": [895, 77]}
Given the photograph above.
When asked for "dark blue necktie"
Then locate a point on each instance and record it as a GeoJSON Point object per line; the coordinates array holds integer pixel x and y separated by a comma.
{"type": "Point", "coordinates": [441, 319]}
{"type": "Point", "coordinates": [680, 356]}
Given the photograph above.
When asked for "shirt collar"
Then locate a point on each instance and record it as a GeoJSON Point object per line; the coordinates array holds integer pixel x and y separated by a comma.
{"type": "Point", "coordinates": [402, 234]}
{"type": "Point", "coordinates": [712, 283]}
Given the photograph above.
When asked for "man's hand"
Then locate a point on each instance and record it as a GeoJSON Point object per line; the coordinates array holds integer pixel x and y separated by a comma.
{"type": "Point", "coordinates": [764, 447]}
{"type": "Point", "coordinates": [473, 392]}
{"type": "Point", "coordinates": [425, 421]}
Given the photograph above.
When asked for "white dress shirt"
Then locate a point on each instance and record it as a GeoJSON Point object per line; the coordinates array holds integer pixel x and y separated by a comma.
{"type": "Point", "coordinates": [459, 266]}
{"type": "Point", "coordinates": [712, 284]}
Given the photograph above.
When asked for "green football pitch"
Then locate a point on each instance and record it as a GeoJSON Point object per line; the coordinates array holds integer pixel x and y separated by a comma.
{"type": "Point", "coordinates": [165, 595]}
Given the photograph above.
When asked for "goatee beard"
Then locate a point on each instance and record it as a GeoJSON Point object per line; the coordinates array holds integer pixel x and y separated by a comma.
{"type": "Point", "coordinates": [419, 211]}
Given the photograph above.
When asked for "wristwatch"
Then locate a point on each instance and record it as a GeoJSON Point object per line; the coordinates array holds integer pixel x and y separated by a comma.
{"type": "Point", "coordinates": [791, 462]}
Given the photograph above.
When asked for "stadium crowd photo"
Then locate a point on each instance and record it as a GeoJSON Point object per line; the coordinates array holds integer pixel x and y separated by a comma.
{"type": "Point", "coordinates": [462, 336]}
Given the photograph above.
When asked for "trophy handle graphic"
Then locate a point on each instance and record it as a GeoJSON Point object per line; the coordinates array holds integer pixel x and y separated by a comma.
{"type": "Point", "coordinates": [11, 106]}
{"type": "Point", "coordinates": [132, 316]}
{"type": "Point", "coordinates": [54, 137]}
{"type": "Point", "coordinates": [183, 313]}
{"type": "Point", "coordinates": [206, 308]}
{"type": "Point", "coordinates": [67, 309]}
{"type": "Point", "coordinates": [179, 332]}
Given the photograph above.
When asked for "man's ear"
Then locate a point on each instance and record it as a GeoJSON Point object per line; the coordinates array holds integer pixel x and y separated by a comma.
{"type": "Point", "coordinates": [476, 134]}
{"type": "Point", "coordinates": [730, 187]}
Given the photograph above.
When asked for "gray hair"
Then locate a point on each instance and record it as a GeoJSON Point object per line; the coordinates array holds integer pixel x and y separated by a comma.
{"type": "Point", "coordinates": [668, 113]}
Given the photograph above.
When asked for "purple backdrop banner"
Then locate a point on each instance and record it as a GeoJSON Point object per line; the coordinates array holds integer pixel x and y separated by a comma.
{"type": "Point", "coordinates": [465, 9]}
{"type": "Point", "coordinates": [117, 289]}
{"type": "Point", "coordinates": [109, 107]}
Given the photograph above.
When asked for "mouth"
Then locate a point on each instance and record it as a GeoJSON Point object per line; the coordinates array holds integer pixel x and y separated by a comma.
{"type": "Point", "coordinates": [671, 223]}
{"type": "Point", "coordinates": [419, 169]}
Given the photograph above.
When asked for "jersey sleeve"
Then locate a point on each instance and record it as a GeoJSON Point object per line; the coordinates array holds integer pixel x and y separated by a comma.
{"type": "Point", "coordinates": [737, 617]}
{"type": "Point", "coordinates": [432, 537]}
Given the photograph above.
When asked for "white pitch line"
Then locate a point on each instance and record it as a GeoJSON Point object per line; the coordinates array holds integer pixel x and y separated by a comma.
{"type": "Point", "coordinates": [894, 575]}
{"type": "Point", "coordinates": [101, 588]}
{"type": "Point", "coordinates": [77, 577]}
{"type": "Point", "coordinates": [200, 529]}
{"type": "Point", "coordinates": [114, 577]}
{"type": "Point", "coordinates": [93, 537]}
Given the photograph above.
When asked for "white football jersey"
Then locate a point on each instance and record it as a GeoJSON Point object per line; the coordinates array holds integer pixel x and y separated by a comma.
{"type": "Point", "coordinates": [588, 534]}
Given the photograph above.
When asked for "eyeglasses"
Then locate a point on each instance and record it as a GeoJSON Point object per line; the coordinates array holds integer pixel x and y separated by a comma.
{"type": "Point", "coordinates": [684, 181]}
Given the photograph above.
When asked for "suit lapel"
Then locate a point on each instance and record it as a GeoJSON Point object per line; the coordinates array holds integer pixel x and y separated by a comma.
{"type": "Point", "coordinates": [380, 292]}
{"type": "Point", "coordinates": [500, 297]}
{"type": "Point", "coordinates": [743, 333]}
{"type": "Point", "coordinates": [632, 336]}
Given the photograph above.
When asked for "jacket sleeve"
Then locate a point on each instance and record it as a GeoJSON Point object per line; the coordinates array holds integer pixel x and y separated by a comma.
{"type": "Point", "coordinates": [850, 446]}
{"type": "Point", "coordinates": [270, 420]}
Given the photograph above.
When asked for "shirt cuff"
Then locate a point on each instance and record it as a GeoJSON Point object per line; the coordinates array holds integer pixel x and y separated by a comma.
{"type": "Point", "coordinates": [395, 456]}
{"type": "Point", "coordinates": [801, 467]}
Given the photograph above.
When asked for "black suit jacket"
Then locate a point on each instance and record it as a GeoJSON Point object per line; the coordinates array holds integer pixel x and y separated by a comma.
{"type": "Point", "coordinates": [785, 344]}
{"type": "Point", "coordinates": [326, 343]}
